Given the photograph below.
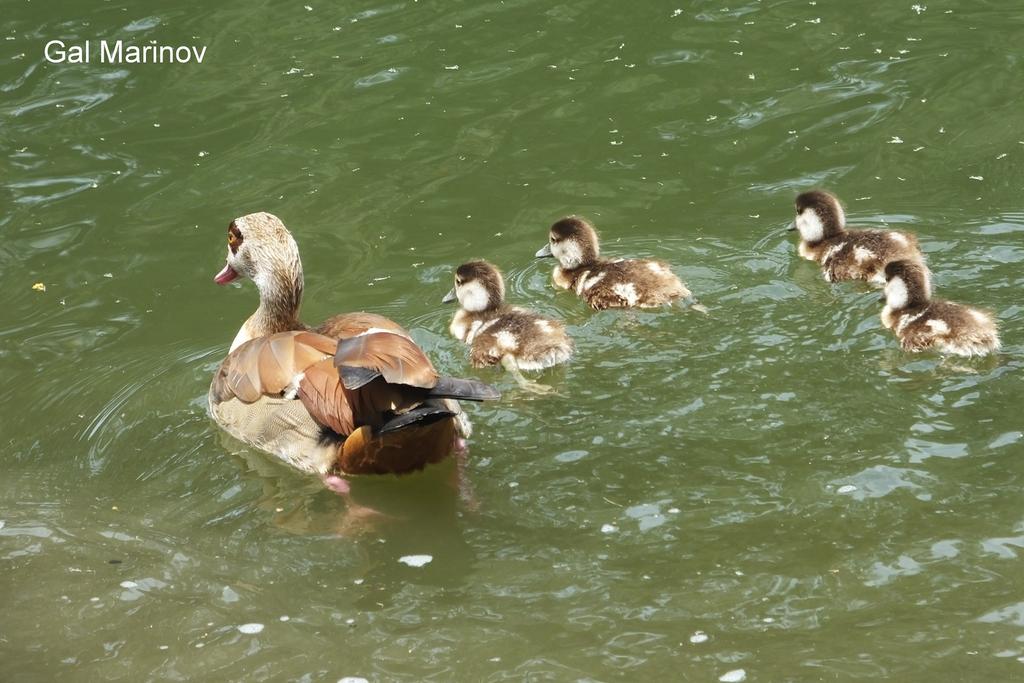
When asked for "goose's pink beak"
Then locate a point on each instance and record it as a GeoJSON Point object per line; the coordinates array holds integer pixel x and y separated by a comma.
{"type": "Point", "coordinates": [226, 275]}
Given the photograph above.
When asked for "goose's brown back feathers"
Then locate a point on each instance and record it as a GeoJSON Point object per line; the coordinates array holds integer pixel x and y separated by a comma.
{"type": "Point", "coordinates": [395, 393]}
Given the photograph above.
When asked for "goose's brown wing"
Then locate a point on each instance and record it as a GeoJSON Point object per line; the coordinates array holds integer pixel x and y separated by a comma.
{"type": "Point", "coordinates": [351, 324]}
{"type": "Point", "coordinates": [267, 366]}
{"type": "Point", "coordinates": [323, 396]}
{"type": "Point", "coordinates": [383, 366]}
{"type": "Point", "coordinates": [392, 375]}
{"type": "Point", "coordinates": [394, 357]}
{"type": "Point", "coordinates": [391, 409]}
{"type": "Point", "coordinates": [301, 362]}
{"type": "Point", "coordinates": [383, 374]}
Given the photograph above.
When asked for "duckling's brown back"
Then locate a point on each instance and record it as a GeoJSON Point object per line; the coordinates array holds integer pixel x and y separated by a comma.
{"type": "Point", "coordinates": [629, 283]}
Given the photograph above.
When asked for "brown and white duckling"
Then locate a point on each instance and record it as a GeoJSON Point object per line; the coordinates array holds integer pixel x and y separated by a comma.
{"type": "Point", "coordinates": [847, 254]}
{"type": "Point", "coordinates": [517, 338]}
{"type": "Point", "coordinates": [607, 283]}
{"type": "Point", "coordinates": [921, 322]}
{"type": "Point", "coordinates": [353, 396]}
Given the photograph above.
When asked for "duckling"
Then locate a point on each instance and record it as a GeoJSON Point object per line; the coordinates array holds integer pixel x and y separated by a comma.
{"type": "Point", "coordinates": [847, 254]}
{"type": "Point", "coordinates": [517, 338]}
{"type": "Point", "coordinates": [356, 395]}
{"type": "Point", "coordinates": [921, 322]}
{"type": "Point", "coordinates": [607, 283]}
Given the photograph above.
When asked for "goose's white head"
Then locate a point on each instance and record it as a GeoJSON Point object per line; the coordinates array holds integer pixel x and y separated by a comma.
{"type": "Point", "coordinates": [819, 215]}
{"type": "Point", "coordinates": [478, 287]}
{"type": "Point", "coordinates": [261, 249]}
{"type": "Point", "coordinates": [573, 242]}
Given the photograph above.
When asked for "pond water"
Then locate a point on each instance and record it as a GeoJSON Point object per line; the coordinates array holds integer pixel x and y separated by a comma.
{"type": "Point", "coordinates": [769, 492]}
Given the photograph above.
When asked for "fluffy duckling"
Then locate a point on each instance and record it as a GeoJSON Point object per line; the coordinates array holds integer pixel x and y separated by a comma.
{"type": "Point", "coordinates": [847, 254]}
{"type": "Point", "coordinates": [607, 283]}
{"type": "Point", "coordinates": [517, 338]}
{"type": "Point", "coordinates": [921, 322]}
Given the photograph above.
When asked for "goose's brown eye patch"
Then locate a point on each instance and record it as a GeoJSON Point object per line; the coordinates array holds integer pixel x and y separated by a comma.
{"type": "Point", "coordinates": [234, 238]}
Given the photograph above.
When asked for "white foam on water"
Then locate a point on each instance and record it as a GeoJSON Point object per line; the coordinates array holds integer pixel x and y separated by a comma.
{"type": "Point", "coordinates": [129, 584]}
{"type": "Point", "coordinates": [647, 514]}
{"type": "Point", "coordinates": [846, 488]}
{"type": "Point", "coordinates": [609, 528]}
{"type": "Point", "coordinates": [734, 676]}
{"type": "Point", "coordinates": [699, 637]}
{"type": "Point", "coordinates": [284, 617]}
{"type": "Point", "coordinates": [353, 679]}
{"type": "Point", "coordinates": [571, 456]}
{"type": "Point", "coordinates": [251, 629]}
{"type": "Point", "coordinates": [416, 560]}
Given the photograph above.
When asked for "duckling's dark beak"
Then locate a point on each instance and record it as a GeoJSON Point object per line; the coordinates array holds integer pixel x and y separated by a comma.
{"type": "Point", "coordinates": [792, 227]}
{"type": "Point", "coordinates": [449, 297]}
{"type": "Point", "coordinates": [881, 299]}
{"type": "Point", "coordinates": [544, 252]}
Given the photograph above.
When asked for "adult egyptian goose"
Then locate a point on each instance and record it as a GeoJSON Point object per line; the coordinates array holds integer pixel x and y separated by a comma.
{"type": "Point", "coordinates": [356, 395]}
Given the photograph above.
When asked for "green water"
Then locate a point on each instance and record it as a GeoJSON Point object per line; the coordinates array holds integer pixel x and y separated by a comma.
{"type": "Point", "coordinates": [776, 475]}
